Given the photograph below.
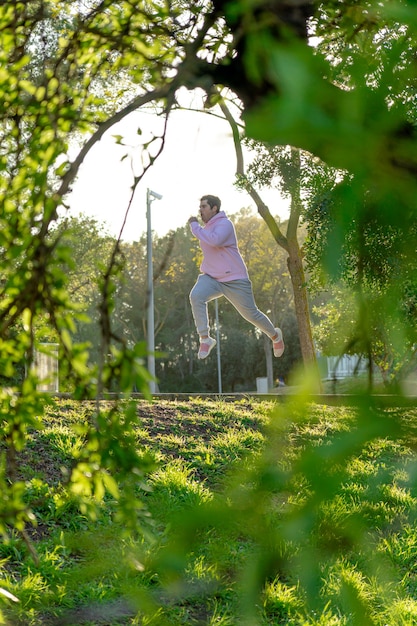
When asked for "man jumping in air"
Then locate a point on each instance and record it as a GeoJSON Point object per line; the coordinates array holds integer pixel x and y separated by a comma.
{"type": "Point", "coordinates": [224, 273]}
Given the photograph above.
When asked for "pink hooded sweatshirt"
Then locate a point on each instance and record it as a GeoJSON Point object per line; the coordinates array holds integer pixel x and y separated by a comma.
{"type": "Point", "coordinates": [221, 257]}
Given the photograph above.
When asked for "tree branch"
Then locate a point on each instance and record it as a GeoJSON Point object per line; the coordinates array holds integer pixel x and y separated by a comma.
{"type": "Point", "coordinates": [263, 210]}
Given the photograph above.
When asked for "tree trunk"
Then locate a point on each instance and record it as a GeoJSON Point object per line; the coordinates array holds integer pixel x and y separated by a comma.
{"type": "Point", "coordinates": [296, 270]}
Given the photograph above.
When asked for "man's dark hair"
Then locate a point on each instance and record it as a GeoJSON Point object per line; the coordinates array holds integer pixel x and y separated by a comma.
{"type": "Point", "coordinates": [212, 201]}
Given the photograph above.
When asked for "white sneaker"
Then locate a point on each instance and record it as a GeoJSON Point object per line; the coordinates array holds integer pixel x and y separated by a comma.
{"type": "Point", "coordinates": [206, 346]}
{"type": "Point", "coordinates": [278, 343]}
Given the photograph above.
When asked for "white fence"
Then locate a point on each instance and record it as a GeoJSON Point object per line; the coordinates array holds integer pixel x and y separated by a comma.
{"type": "Point", "coordinates": [344, 366]}
{"type": "Point", "coordinates": [46, 367]}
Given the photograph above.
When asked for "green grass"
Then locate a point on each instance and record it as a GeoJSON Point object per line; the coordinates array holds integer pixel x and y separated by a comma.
{"type": "Point", "coordinates": [253, 513]}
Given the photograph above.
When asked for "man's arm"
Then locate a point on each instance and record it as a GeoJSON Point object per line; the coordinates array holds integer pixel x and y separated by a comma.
{"type": "Point", "coordinates": [216, 237]}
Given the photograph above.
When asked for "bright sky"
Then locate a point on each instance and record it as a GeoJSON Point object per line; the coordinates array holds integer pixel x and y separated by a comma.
{"type": "Point", "coordinates": [198, 158]}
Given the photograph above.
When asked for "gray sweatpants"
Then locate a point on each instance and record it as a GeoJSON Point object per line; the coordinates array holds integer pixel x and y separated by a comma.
{"type": "Point", "coordinates": [238, 292]}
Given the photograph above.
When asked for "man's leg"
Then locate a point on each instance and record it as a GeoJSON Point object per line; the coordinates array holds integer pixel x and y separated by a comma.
{"type": "Point", "coordinates": [240, 294]}
{"type": "Point", "coordinates": [205, 289]}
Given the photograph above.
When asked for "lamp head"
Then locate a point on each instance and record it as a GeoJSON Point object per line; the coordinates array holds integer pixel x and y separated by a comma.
{"type": "Point", "coordinates": [155, 195]}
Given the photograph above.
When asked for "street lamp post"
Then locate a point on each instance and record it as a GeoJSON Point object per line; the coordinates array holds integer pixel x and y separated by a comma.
{"type": "Point", "coordinates": [150, 197]}
{"type": "Point", "coordinates": [219, 363]}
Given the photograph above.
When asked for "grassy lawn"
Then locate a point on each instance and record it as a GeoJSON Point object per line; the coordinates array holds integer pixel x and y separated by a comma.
{"type": "Point", "coordinates": [252, 512]}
